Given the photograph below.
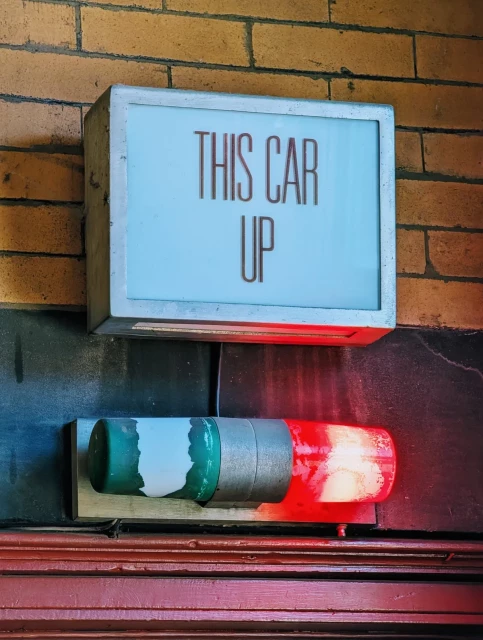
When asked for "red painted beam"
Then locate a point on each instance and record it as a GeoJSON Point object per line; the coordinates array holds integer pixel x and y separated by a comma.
{"type": "Point", "coordinates": [84, 583]}
{"type": "Point", "coordinates": [124, 603]}
{"type": "Point", "coordinates": [212, 635]}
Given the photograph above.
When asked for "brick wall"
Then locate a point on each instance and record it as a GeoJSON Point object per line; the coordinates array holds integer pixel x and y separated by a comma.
{"type": "Point", "coordinates": [423, 56]}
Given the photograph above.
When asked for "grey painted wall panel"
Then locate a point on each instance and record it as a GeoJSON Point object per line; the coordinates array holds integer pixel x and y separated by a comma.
{"type": "Point", "coordinates": [425, 386]}
{"type": "Point", "coordinates": [52, 372]}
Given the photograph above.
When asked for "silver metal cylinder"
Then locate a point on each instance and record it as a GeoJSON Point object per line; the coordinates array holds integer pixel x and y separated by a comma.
{"type": "Point", "coordinates": [274, 460]}
{"type": "Point", "coordinates": [238, 465]}
{"type": "Point", "coordinates": [256, 462]}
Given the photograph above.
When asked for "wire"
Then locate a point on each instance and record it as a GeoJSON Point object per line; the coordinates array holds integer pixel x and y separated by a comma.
{"type": "Point", "coordinates": [218, 380]}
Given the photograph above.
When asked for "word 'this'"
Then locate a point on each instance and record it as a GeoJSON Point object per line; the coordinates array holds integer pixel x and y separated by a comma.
{"type": "Point", "coordinates": [233, 161]}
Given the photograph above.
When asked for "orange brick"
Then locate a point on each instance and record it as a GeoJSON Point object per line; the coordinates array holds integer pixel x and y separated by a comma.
{"type": "Point", "coordinates": [41, 176]}
{"type": "Point", "coordinates": [456, 254]}
{"type": "Point", "coordinates": [408, 151]}
{"type": "Point", "coordinates": [418, 105]}
{"type": "Point", "coordinates": [329, 50]}
{"type": "Point", "coordinates": [133, 33]}
{"type": "Point", "coordinates": [146, 4]}
{"type": "Point", "coordinates": [44, 229]}
{"type": "Point", "coordinates": [27, 22]}
{"type": "Point", "coordinates": [73, 78]}
{"type": "Point", "coordinates": [445, 204]}
{"type": "Point", "coordinates": [25, 124]}
{"type": "Point", "coordinates": [42, 280]}
{"type": "Point", "coordinates": [454, 155]}
{"type": "Point", "coordinates": [270, 84]}
{"type": "Point", "coordinates": [308, 10]}
{"type": "Point", "coordinates": [450, 59]}
{"type": "Point", "coordinates": [435, 303]}
{"type": "Point", "coordinates": [411, 254]}
{"type": "Point", "coordinates": [439, 16]}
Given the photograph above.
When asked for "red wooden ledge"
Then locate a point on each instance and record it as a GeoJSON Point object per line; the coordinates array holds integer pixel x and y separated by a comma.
{"type": "Point", "coordinates": [71, 583]}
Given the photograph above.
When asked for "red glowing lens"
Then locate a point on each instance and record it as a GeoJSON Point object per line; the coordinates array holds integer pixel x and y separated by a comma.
{"type": "Point", "coordinates": [340, 463]}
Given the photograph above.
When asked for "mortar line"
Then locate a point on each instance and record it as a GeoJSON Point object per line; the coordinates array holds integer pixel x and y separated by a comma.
{"type": "Point", "coordinates": [415, 61]}
{"type": "Point", "coordinates": [423, 158]}
{"type": "Point", "coordinates": [249, 43]}
{"type": "Point", "coordinates": [78, 27]}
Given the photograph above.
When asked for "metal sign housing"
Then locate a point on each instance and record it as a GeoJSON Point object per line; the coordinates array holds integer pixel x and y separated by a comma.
{"type": "Point", "coordinates": [239, 218]}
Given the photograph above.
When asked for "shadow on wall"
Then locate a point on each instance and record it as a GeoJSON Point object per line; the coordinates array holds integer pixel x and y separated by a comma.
{"type": "Point", "coordinates": [52, 372]}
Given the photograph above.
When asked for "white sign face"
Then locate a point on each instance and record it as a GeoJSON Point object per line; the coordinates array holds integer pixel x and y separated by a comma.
{"type": "Point", "coordinates": [253, 208]}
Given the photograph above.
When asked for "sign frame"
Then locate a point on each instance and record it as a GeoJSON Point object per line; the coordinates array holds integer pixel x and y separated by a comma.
{"type": "Point", "coordinates": [110, 311]}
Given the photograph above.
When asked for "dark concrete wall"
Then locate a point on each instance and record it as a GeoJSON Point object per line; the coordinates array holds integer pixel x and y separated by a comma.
{"type": "Point", "coordinates": [425, 386]}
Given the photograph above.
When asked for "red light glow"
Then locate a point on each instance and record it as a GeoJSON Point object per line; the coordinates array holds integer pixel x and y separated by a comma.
{"type": "Point", "coordinates": [335, 463]}
{"type": "Point", "coordinates": [341, 463]}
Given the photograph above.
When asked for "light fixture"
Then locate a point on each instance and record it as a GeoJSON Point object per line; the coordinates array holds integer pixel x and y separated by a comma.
{"type": "Point", "coordinates": [226, 462]}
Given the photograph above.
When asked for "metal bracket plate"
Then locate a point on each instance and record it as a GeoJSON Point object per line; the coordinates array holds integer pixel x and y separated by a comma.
{"type": "Point", "coordinates": [88, 505]}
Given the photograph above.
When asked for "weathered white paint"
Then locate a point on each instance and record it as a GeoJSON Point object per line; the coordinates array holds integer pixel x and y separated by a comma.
{"type": "Point", "coordinates": [164, 458]}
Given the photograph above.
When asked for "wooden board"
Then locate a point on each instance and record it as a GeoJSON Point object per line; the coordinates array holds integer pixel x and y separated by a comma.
{"type": "Point", "coordinates": [255, 556]}
{"type": "Point", "coordinates": [90, 505]}
{"type": "Point", "coordinates": [230, 586]}
{"type": "Point", "coordinates": [79, 602]}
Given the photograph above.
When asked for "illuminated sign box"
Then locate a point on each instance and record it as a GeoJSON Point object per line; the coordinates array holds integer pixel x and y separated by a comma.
{"type": "Point", "coordinates": [239, 218]}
